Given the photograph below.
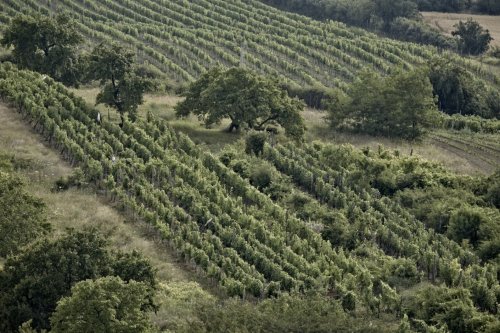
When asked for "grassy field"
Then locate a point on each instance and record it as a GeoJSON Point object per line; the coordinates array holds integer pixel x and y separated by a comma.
{"type": "Point", "coordinates": [79, 208]}
{"type": "Point", "coordinates": [460, 151]}
{"type": "Point", "coordinates": [446, 21]}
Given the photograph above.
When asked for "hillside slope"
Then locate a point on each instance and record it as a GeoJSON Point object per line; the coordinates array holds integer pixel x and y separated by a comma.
{"type": "Point", "coordinates": [340, 233]}
{"type": "Point", "coordinates": [182, 38]}
{"type": "Point", "coordinates": [79, 208]}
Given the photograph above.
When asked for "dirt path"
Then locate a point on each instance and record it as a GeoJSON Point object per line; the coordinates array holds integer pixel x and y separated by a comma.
{"type": "Point", "coordinates": [482, 151]}
{"type": "Point", "coordinates": [478, 164]}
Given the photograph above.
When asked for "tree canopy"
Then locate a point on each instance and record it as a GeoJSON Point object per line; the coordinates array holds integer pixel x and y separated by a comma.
{"type": "Point", "coordinates": [473, 39]}
{"type": "Point", "coordinates": [105, 305]}
{"type": "Point", "coordinates": [121, 87]}
{"type": "Point", "coordinates": [23, 216]}
{"type": "Point", "coordinates": [33, 282]}
{"type": "Point", "coordinates": [459, 92]}
{"type": "Point", "coordinates": [247, 99]}
{"type": "Point", "coordinates": [45, 44]}
{"type": "Point", "coordinates": [490, 7]}
{"type": "Point", "coordinates": [400, 105]}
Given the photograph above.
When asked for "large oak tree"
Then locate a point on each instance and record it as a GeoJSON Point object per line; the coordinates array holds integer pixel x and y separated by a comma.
{"type": "Point", "coordinates": [247, 99]}
{"type": "Point", "coordinates": [45, 44]}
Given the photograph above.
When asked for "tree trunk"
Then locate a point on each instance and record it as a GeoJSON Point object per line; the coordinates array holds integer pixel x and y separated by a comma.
{"type": "Point", "coordinates": [233, 126]}
{"type": "Point", "coordinates": [122, 119]}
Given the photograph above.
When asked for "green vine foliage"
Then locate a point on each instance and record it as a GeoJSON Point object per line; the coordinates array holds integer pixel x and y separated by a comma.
{"type": "Point", "coordinates": [250, 242]}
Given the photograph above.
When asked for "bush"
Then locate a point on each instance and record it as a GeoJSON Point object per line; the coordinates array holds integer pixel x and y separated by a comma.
{"type": "Point", "coordinates": [76, 179]}
{"type": "Point", "coordinates": [255, 143]}
{"type": "Point", "coordinates": [261, 176]}
{"type": "Point", "coordinates": [474, 124]}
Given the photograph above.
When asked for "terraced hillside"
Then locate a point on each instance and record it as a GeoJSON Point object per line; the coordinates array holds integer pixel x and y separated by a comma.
{"type": "Point", "coordinates": [347, 240]}
{"type": "Point", "coordinates": [183, 38]}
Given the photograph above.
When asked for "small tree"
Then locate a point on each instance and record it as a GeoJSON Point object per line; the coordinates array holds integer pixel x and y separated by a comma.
{"type": "Point", "coordinates": [401, 105]}
{"type": "Point", "coordinates": [45, 44]}
{"type": "Point", "coordinates": [248, 99]}
{"type": "Point", "coordinates": [121, 87]}
{"type": "Point", "coordinates": [472, 38]}
{"type": "Point", "coordinates": [105, 305]}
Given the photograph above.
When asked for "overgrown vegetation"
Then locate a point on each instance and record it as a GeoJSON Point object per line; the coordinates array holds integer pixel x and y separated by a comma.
{"type": "Point", "coordinates": [23, 217]}
{"type": "Point", "coordinates": [458, 93]}
{"type": "Point", "coordinates": [480, 6]}
{"type": "Point", "coordinates": [34, 281]}
{"type": "Point", "coordinates": [401, 105]}
{"type": "Point", "coordinates": [328, 220]}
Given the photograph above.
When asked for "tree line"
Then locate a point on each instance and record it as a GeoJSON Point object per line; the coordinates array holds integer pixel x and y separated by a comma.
{"type": "Point", "coordinates": [398, 19]}
{"type": "Point", "coordinates": [51, 46]}
{"type": "Point", "coordinates": [490, 7]}
{"type": "Point", "coordinates": [405, 104]}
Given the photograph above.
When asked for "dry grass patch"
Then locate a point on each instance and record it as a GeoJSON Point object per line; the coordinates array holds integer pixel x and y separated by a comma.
{"type": "Point", "coordinates": [83, 208]}
{"type": "Point", "coordinates": [458, 161]}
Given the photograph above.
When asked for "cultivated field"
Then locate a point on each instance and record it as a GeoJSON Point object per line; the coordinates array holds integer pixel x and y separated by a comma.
{"type": "Point", "coordinates": [80, 208]}
{"type": "Point", "coordinates": [376, 234]}
{"type": "Point", "coordinates": [184, 38]}
{"type": "Point", "coordinates": [460, 151]}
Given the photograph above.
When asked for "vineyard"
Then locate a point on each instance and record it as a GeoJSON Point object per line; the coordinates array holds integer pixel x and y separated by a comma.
{"type": "Point", "coordinates": [351, 242]}
{"type": "Point", "coordinates": [182, 39]}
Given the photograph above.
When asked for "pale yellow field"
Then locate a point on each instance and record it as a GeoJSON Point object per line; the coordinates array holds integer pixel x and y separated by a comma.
{"type": "Point", "coordinates": [446, 21]}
